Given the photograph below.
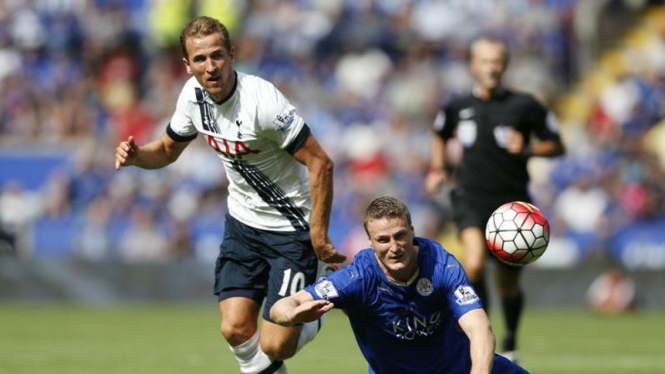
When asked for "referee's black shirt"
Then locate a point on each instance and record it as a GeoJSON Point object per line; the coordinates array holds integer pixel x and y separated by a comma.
{"type": "Point", "coordinates": [481, 126]}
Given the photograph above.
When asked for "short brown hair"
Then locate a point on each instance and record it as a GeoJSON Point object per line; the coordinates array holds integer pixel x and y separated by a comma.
{"type": "Point", "coordinates": [386, 207]}
{"type": "Point", "coordinates": [491, 39]}
{"type": "Point", "coordinates": [203, 26]}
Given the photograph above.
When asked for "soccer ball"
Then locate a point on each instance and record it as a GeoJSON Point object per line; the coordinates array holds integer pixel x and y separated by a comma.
{"type": "Point", "coordinates": [517, 233]}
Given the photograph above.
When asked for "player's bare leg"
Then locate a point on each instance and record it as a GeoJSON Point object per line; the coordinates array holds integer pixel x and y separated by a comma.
{"type": "Point", "coordinates": [239, 319]}
{"type": "Point", "coordinates": [279, 342]}
{"type": "Point", "coordinates": [512, 302]}
{"type": "Point", "coordinates": [239, 328]}
{"type": "Point", "coordinates": [475, 253]}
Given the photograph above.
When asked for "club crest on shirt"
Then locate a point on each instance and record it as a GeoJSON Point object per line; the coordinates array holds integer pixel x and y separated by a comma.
{"type": "Point", "coordinates": [501, 135]}
{"type": "Point", "coordinates": [424, 287]}
{"type": "Point", "coordinates": [467, 131]}
{"type": "Point", "coordinates": [465, 295]}
{"type": "Point", "coordinates": [326, 290]}
{"type": "Point", "coordinates": [284, 120]}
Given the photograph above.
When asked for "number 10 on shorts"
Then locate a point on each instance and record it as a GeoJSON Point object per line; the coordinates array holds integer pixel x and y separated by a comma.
{"type": "Point", "coordinates": [297, 282]}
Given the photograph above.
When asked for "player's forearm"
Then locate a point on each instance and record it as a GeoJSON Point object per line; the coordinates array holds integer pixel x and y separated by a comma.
{"type": "Point", "coordinates": [321, 190]}
{"type": "Point", "coordinates": [437, 160]}
{"type": "Point", "coordinates": [477, 328]}
{"type": "Point", "coordinates": [482, 351]}
{"type": "Point", "coordinates": [155, 155]}
{"type": "Point", "coordinates": [546, 148]}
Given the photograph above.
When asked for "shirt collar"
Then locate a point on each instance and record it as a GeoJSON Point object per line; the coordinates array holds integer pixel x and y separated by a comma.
{"type": "Point", "coordinates": [475, 91]}
{"type": "Point", "coordinates": [233, 90]}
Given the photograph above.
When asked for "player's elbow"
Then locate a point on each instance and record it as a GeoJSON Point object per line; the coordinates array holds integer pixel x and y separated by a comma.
{"type": "Point", "coordinates": [322, 168]}
{"type": "Point", "coordinates": [328, 165]}
{"type": "Point", "coordinates": [171, 154]}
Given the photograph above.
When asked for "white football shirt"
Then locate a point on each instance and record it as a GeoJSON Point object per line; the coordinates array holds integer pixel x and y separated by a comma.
{"type": "Point", "coordinates": [254, 131]}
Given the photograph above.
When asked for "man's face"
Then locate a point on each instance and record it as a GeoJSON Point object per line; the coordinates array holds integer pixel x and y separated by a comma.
{"type": "Point", "coordinates": [211, 63]}
{"type": "Point", "coordinates": [392, 241]}
{"type": "Point", "coordinates": [488, 63]}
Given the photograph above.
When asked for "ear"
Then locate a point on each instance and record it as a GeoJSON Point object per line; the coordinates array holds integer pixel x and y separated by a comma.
{"type": "Point", "coordinates": [232, 54]}
{"type": "Point", "coordinates": [189, 68]}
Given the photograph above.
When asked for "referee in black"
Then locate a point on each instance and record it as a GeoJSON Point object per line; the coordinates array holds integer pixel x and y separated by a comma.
{"type": "Point", "coordinates": [495, 126]}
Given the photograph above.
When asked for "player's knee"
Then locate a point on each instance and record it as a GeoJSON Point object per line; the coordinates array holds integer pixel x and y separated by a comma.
{"type": "Point", "coordinates": [277, 351]}
{"type": "Point", "coordinates": [236, 334]}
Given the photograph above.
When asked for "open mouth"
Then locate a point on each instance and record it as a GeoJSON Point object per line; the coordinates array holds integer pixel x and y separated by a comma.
{"type": "Point", "coordinates": [396, 258]}
{"type": "Point", "coordinates": [213, 81]}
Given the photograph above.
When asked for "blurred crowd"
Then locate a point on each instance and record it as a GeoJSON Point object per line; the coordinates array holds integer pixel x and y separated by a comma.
{"type": "Point", "coordinates": [78, 76]}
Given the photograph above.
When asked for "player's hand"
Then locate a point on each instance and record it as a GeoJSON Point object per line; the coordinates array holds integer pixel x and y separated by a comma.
{"type": "Point", "coordinates": [326, 252]}
{"type": "Point", "coordinates": [310, 311]}
{"type": "Point", "coordinates": [126, 153]}
{"type": "Point", "coordinates": [515, 142]}
{"type": "Point", "coordinates": [435, 178]}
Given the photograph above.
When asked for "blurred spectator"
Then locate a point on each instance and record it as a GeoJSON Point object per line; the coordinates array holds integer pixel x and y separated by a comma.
{"type": "Point", "coordinates": [612, 292]}
{"type": "Point", "coordinates": [93, 241]}
{"type": "Point", "coordinates": [144, 242]}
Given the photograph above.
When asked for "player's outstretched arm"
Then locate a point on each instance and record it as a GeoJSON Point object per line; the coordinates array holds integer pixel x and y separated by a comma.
{"type": "Point", "coordinates": [320, 169]}
{"type": "Point", "coordinates": [299, 308]}
{"type": "Point", "coordinates": [477, 327]}
{"type": "Point", "coordinates": [154, 155]}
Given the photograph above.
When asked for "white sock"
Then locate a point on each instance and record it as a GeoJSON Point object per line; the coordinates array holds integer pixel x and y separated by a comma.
{"type": "Point", "coordinates": [309, 331]}
{"type": "Point", "coordinates": [251, 357]}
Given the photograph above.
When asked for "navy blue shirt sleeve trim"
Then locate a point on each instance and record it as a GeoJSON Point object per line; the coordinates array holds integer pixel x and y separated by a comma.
{"type": "Point", "coordinates": [179, 138]}
{"type": "Point", "coordinates": [299, 140]}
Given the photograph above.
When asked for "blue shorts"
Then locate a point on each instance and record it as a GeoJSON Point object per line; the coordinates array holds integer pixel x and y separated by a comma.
{"type": "Point", "coordinates": [260, 264]}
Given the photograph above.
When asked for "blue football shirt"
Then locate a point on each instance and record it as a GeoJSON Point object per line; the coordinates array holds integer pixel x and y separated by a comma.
{"type": "Point", "coordinates": [405, 328]}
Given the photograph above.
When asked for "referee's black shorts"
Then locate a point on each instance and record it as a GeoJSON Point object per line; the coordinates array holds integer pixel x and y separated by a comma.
{"type": "Point", "coordinates": [474, 208]}
{"type": "Point", "coordinates": [257, 263]}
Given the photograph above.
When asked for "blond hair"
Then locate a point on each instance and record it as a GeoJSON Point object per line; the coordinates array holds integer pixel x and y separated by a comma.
{"type": "Point", "coordinates": [386, 207]}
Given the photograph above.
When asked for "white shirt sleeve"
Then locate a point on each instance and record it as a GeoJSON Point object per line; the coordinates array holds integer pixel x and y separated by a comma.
{"type": "Point", "coordinates": [278, 120]}
{"type": "Point", "coordinates": [181, 122]}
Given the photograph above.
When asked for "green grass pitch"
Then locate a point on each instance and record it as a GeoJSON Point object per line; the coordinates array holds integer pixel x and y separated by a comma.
{"type": "Point", "coordinates": [54, 339]}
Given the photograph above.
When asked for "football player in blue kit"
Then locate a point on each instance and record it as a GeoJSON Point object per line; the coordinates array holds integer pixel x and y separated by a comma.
{"type": "Point", "coordinates": [409, 302]}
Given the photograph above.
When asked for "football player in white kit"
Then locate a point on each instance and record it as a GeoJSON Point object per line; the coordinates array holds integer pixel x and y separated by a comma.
{"type": "Point", "coordinates": [280, 192]}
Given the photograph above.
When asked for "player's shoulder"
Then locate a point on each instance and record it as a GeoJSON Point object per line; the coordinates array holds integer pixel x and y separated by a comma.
{"type": "Point", "coordinates": [254, 84]}
{"type": "Point", "coordinates": [458, 101]}
{"type": "Point", "coordinates": [363, 268]}
{"type": "Point", "coordinates": [348, 280]}
{"type": "Point", "coordinates": [524, 98]}
{"type": "Point", "coordinates": [364, 259]}
{"type": "Point", "coordinates": [439, 256]}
